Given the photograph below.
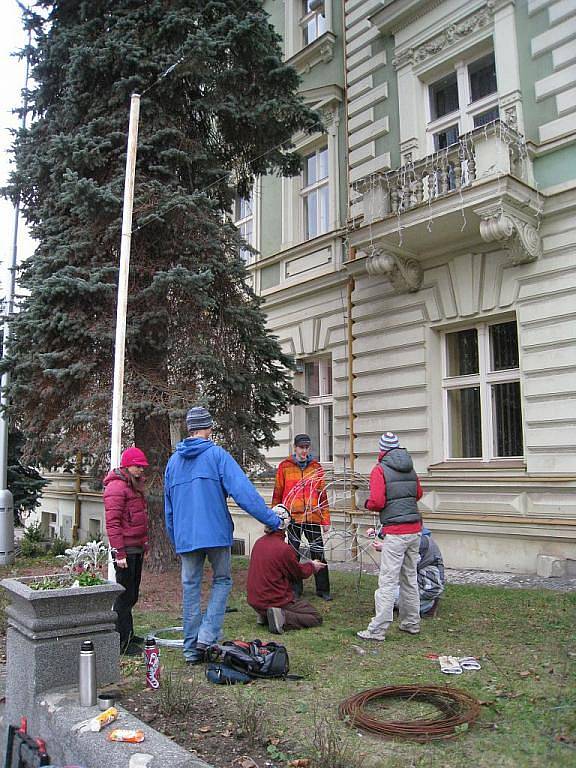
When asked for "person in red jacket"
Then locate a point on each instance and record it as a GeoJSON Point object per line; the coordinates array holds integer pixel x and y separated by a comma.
{"type": "Point", "coordinates": [127, 529]}
{"type": "Point", "coordinates": [300, 486]}
{"type": "Point", "coordinates": [274, 568]}
{"type": "Point", "coordinates": [394, 492]}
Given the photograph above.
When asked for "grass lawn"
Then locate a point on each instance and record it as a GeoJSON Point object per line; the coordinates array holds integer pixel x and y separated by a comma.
{"type": "Point", "coordinates": [527, 685]}
{"type": "Point", "coordinates": [523, 639]}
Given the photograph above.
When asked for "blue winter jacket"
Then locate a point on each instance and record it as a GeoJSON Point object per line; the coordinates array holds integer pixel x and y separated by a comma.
{"type": "Point", "coordinates": [199, 476]}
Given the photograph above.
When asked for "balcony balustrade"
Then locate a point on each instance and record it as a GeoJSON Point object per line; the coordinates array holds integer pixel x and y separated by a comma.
{"type": "Point", "coordinates": [487, 152]}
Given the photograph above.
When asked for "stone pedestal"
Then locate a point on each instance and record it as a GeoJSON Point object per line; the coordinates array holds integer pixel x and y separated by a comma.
{"type": "Point", "coordinates": [45, 631]}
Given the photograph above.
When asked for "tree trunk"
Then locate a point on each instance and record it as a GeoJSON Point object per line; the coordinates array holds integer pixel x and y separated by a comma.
{"type": "Point", "coordinates": [152, 435]}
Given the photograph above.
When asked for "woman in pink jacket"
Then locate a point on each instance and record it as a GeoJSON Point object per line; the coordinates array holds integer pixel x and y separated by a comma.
{"type": "Point", "coordinates": [127, 529]}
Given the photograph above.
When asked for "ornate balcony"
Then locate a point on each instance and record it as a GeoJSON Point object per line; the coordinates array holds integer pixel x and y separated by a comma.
{"type": "Point", "coordinates": [475, 192]}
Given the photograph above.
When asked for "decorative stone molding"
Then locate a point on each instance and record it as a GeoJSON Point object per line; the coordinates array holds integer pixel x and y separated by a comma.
{"type": "Point", "coordinates": [330, 118]}
{"type": "Point", "coordinates": [500, 223]}
{"type": "Point", "coordinates": [320, 51]}
{"type": "Point", "coordinates": [510, 104]}
{"type": "Point", "coordinates": [447, 37]}
{"type": "Point", "coordinates": [404, 272]}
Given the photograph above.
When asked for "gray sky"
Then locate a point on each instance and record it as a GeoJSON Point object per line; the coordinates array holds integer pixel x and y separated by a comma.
{"type": "Point", "coordinates": [12, 75]}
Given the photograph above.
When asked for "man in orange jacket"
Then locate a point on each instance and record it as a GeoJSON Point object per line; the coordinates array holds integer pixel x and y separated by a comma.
{"type": "Point", "coordinates": [301, 488]}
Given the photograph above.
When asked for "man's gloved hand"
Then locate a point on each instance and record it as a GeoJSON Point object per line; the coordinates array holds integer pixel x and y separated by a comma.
{"type": "Point", "coordinates": [284, 515]}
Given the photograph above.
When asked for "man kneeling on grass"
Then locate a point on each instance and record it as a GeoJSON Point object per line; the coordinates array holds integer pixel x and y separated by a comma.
{"type": "Point", "coordinates": [274, 568]}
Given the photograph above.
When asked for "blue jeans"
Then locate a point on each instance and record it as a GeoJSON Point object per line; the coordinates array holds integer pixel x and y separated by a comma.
{"type": "Point", "coordinates": [204, 628]}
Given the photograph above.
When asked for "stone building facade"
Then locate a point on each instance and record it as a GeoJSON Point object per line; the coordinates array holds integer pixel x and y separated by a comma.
{"type": "Point", "coordinates": [422, 268]}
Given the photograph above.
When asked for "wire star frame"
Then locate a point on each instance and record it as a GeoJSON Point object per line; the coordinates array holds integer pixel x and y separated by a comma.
{"type": "Point", "coordinates": [337, 491]}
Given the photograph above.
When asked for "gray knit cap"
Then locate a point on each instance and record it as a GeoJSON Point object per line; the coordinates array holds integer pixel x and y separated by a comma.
{"type": "Point", "coordinates": [388, 441]}
{"type": "Point", "coordinates": [198, 418]}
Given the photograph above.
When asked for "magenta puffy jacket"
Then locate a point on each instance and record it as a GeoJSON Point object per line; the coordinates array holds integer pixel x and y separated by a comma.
{"type": "Point", "coordinates": [126, 518]}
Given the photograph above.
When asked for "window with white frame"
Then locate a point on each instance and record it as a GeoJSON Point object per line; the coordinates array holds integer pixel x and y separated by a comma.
{"type": "Point", "coordinates": [244, 221]}
{"type": "Point", "coordinates": [319, 412]}
{"type": "Point", "coordinates": [481, 391]}
{"type": "Point", "coordinates": [315, 194]}
{"type": "Point", "coordinates": [463, 99]}
{"type": "Point", "coordinates": [312, 21]}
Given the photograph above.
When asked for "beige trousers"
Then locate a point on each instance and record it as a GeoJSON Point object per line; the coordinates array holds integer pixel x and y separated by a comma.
{"type": "Point", "coordinates": [398, 560]}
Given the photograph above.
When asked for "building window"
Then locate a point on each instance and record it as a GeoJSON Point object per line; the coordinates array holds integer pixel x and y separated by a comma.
{"type": "Point", "coordinates": [482, 398]}
{"type": "Point", "coordinates": [244, 221]}
{"type": "Point", "coordinates": [482, 76]}
{"type": "Point", "coordinates": [444, 96]}
{"type": "Point", "coordinates": [313, 21]}
{"type": "Point", "coordinates": [315, 194]}
{"type": "Point", "coordinates": [319, 413]}
{"type": "Point", "coordinates": [462, 100]}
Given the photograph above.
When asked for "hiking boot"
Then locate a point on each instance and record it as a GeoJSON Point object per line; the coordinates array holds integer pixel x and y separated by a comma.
{"type": "Point", "coordinates": [276, 620]}
{"type": "Point", "coordinates": [137, 640]}
{"type": "Point", "coordinates": [365, 634]}
{"type": "Point", "coordinates": [260, 620]}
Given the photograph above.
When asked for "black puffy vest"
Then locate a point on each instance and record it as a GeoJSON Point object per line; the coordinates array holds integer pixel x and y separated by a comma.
{"type": "Point", "coordinates": [401, 489]}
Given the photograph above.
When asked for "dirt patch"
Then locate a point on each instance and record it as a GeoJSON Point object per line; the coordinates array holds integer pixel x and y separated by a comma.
{"type": "Point", "coordinates": [158, 588]}
{"type": "Point", "coordinates": [211, 727]}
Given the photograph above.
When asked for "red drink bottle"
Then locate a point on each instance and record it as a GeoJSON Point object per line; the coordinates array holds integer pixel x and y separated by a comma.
{"type": "Point", "coordinates": [152, 663]}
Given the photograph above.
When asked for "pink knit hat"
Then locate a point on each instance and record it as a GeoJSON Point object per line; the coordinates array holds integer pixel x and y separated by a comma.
{"type": "Point", "coordinates": [133, 457]}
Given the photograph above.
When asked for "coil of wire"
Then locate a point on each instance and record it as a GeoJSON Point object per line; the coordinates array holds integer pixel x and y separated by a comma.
{"type": "Point", "coordinates": [458, 709]}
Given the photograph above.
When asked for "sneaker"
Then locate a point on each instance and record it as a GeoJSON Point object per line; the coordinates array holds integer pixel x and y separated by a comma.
{"type": "Point", "coordinates": [199, 657]}
{"type": "Point", "coordinates": [276, 620]}
{"type": "Point", "coordinates": [260, 620]}
{"type": "Point", "coordinates": [365, 634]}
{"type": "Point", "coordinates": [411, 630]}
{"type": "Point", "coordinates": [325, 596]}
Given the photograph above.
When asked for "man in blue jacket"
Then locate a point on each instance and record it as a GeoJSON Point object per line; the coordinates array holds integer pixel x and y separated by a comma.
{"type": "Point", "coordinates": [199, 477]}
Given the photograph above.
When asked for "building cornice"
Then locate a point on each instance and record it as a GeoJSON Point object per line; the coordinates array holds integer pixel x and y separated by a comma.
{"type": "Point", "coordinates": [400, 13]}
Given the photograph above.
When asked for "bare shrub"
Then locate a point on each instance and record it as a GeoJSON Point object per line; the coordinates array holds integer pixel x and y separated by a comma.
{"type": "Point", "coordinates": [177, 693]}
{"type": "Point", "coordinates": [331, 744]}
{"type": "Point", "coordinates": [252, 717]}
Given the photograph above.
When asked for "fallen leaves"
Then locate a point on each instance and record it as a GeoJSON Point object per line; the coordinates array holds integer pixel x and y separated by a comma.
{"type": "Point", "coordinates": [244, 761]}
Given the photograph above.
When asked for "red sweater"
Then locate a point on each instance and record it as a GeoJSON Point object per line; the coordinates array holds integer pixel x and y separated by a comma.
{"type": "Point", "coordinates": [273, 568]}
{"type": "Point", "coordinates": [377, 499]}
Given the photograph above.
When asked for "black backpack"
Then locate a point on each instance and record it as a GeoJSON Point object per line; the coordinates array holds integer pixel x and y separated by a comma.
{"type": "Point", "coordinates": [251, 659]}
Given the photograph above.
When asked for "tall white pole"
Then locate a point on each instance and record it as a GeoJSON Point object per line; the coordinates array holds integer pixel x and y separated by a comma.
{"type": "Point", "coordinates": [122, 300]}
{"type": "Point", "coordinates": [118, 390]}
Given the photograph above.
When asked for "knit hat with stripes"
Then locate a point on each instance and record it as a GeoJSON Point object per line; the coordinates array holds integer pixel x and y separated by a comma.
{"type": "Point", "coordinates": [198, 418]}
{"type": "Point", "coordinates": [388, 441]}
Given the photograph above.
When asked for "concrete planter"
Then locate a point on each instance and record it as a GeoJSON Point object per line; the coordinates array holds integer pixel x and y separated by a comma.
{"type": "Point", "coordinates": [45, 631]}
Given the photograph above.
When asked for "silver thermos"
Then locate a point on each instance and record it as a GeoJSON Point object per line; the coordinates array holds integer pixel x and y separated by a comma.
{"type": "Point", "coordinates": [87, 677]}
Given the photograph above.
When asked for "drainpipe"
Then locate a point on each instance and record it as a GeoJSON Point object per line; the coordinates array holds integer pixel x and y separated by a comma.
{"type": "Point", "coordinates": [350, 354]}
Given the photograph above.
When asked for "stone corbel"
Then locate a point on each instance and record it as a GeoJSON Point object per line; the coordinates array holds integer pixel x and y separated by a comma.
{"type": "Point", "coordinates": [405, 273]}
{"type": "Point", "coordinates": [518, 233]}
